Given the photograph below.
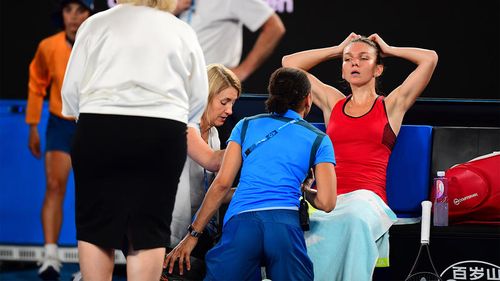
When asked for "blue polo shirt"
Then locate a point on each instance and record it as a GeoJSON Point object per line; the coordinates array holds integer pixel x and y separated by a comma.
{"type": "Point", "coordinates": [272, 173]}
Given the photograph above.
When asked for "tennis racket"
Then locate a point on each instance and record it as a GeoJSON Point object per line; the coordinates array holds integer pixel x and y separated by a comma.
{"type": "Point", "coordinates": [421, 270]}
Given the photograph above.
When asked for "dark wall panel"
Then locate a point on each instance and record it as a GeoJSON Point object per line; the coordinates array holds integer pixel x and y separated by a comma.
{"type": "Point", "coordinates": [466, 36]}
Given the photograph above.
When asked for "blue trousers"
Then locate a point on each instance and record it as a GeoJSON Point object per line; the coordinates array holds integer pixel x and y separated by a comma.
{"type": "Point", "coordinates": [272, 238]}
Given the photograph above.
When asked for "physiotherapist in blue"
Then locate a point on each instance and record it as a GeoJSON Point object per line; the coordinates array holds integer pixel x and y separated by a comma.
{"type": "Point", "coordinates": [261, 225]}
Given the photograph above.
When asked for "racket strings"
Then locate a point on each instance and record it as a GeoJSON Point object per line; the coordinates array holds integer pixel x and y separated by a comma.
{"type": "Point", "coordinates": [432, 263]}
{"type": "Point", "coordinates": [423, 275]}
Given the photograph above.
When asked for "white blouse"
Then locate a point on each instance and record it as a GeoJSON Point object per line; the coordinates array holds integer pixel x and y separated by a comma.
{"type": "Point", "coordinates": [191, 191]}
{"type": "Point", "coordinates": [139, 61]}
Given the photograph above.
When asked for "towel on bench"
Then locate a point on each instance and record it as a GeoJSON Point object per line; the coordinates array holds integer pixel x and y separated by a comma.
{"type": "Point", "coordinates": [347, 243]}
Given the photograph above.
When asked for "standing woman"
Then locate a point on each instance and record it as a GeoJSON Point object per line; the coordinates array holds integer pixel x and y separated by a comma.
{"type": "Point", "coordinates": [363, 127]}
{"type": "Point", "coordinates": [135, 78]}
{"type": "Point", "coordinates": [204, 154]}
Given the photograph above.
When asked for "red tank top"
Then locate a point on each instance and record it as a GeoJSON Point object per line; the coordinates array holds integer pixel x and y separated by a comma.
{"type": "Point", "coordinates": [362, 147]}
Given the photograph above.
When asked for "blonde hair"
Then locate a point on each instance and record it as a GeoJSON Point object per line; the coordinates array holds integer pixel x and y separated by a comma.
{"type": "Point", "coordinates": [164, 5]}
{"type": "Point", "coordinates": [219, 79]}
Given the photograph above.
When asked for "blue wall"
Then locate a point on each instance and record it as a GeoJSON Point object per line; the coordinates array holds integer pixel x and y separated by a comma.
{"type": "Point", "coordinates": [22, 179]}
{"type": "Point", "coordinates": [22, 182]}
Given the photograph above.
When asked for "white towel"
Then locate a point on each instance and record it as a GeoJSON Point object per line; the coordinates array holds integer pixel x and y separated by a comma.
{"type": "Point", "coordinates": [346, 243]}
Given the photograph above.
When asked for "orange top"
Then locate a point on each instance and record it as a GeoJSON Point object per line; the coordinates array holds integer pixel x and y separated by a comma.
{"type": "Point", "coordinates": [47, 69]}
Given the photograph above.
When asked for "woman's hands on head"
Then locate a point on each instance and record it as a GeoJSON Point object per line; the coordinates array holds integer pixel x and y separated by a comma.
{"type": "Point", "coordinates": [348, 40]}
{"type": "Point", "coordinates": [384, 47]}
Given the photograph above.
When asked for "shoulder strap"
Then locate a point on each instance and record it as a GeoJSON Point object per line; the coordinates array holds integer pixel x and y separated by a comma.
{"type": "Point", "coordinates": [270, 135]}
{"type": "Point", "coordinates": [310, 127]}
{"type": "Point", "coordinates": [317, 141]}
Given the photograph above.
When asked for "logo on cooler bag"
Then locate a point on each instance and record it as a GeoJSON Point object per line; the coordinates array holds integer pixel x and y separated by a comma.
{"type": "Point", "coordinates": [457, 201]}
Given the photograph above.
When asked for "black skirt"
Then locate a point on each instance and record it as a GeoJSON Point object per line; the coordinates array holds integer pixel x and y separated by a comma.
{"type": "Point", "coordinates": [126, 169]}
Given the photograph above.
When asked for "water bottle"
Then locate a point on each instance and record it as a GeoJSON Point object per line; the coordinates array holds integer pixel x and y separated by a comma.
{"type": "Point", "coordinates": [441, 200]}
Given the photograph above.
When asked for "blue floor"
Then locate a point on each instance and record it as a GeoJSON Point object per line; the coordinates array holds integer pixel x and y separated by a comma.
{"type": "Point", "coordinates": [10, 271]}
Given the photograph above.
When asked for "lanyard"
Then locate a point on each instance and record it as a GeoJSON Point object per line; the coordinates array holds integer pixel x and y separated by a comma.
{"type": "Point", "coordinates": [205, 179]}
{"type": "Point", "coordinates": [268, 136]}
{"type": "Point", "coordinates": [191, 11]}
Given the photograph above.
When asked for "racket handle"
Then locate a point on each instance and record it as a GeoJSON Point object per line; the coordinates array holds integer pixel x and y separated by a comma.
{"type": "Point", "coordinates": [426, 222]}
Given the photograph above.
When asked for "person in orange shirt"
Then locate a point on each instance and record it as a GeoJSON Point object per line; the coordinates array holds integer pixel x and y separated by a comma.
{"type": "Point", "coordinates": [47, 69]}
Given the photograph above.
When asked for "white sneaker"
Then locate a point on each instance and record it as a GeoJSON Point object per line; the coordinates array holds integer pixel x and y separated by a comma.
{"type": "Point", "coordinates": [77, 276]}
{"type": "Point", "coordinates": [49, 269]}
